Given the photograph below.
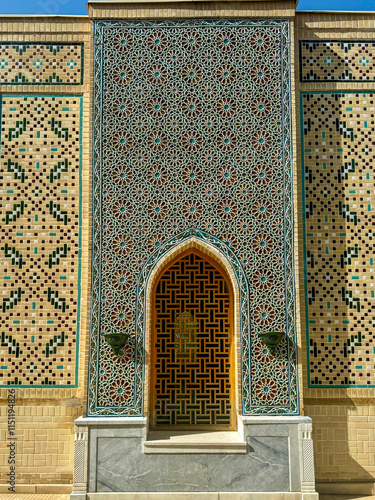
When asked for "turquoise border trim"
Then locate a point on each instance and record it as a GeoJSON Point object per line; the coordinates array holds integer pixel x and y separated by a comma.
{"type": "Point", "coordinates": [46, 83]}
{"type": "Point", "coordinates": [309, 384]}
{"type": "Point", "coordinates": [78, 319]}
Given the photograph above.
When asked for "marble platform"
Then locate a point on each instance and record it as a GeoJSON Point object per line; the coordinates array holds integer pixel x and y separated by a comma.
{"type": "Point", "coordinates": [116, 458]}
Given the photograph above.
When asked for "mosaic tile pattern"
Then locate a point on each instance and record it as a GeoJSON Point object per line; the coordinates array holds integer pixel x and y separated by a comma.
{"type": "Point", "coordinates": [337, 61]}
{"type": "Point", "coordinates": [338, 155]}
{"type": "Point", "coordinates": [36, 64]}
{"type": "Point", "coordinates": [40, 240]}
{"type": "Point", "coordinates": [178, 152]}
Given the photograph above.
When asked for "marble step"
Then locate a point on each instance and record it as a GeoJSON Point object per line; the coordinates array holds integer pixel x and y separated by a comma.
{"type": "Point", "coordinates": [228, 442]}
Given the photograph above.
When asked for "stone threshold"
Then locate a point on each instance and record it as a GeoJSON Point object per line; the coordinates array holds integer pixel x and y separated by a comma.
{"type": "Point", "coordinates": [182, 442]}
{"type": "Point", "coordinates": [36, 489]}
{"type": "Point", "coordinates": [201, 496]}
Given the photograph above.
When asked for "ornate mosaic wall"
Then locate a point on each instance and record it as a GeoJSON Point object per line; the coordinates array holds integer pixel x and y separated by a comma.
{"type": "Point", "coordinates": [42, 63]}
{"type": "Point", "coordinates": [338, 158]}
{"type": "Point", "coordinates": [337, 61]}
{"type": "Point", "coordinates": [192, 136]}
{"type": "Point", "coordinates": [40, 239]}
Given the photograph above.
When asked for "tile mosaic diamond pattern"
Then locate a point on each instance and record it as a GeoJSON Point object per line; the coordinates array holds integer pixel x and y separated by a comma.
{"type": "Point", "coordinates": [42, 63]}
{"type": "Point", "coordinates": [189, 133]}
{"type": "Point", "coordinates": [40, 240]}
{"type": "Point", "coordinates": [337, 61]}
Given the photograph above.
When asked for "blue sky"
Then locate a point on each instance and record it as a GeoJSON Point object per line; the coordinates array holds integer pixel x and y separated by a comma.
{"type": "Point", "coordinates": [79, 7]}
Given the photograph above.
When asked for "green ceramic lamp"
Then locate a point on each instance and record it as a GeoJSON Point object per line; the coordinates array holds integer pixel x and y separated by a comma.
{"type": "Point", "coordinates": [116, 341]}
{"type": "Point", "coordinates": [271, 339]}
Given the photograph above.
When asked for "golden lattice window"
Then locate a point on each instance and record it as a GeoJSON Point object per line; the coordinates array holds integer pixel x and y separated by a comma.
{"type": "Point", "coordinates": [192, 344]}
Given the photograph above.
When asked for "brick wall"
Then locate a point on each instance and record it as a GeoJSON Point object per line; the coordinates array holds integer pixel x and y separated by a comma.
{"type": "Point", "coordinates": [333, 63]}
{"type": "Point", "coordinates": [335, 78]}
{"type": "Point", "coordinates": [45, 88]}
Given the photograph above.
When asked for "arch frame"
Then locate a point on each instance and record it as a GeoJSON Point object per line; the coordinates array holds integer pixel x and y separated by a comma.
{"type": "Point", "coordinates": [221, 253]}
{"type": "Point", "coordinates": [151, 338]}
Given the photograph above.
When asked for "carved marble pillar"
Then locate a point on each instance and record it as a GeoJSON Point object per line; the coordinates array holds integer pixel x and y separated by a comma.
{"type": "Point", "coordinates": [307, 454]}
{"type": "Point", "coordinates": [80, 463]}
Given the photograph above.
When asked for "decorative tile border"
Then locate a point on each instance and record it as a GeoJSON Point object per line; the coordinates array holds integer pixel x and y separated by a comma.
{"type": "Point", "coordinates": [337, 164]}
{"type": "Point", "coordinates": [116, 385]}
{"type": "Point", "coordinates": [41, 63]}
{"type": "Point", "coordinates": [336, 61]}
{"type": "Point", "coordinates": [41, 224]}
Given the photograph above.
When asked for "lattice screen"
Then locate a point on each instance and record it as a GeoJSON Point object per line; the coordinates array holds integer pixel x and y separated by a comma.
{"type": "Point", "coordinates": [192, 345]}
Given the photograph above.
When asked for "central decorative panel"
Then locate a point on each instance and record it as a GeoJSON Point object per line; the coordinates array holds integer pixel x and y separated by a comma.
{"type": "Point", "coordinates": [192, 345]}
{"type": "Point", "coordinates": [192, 131]}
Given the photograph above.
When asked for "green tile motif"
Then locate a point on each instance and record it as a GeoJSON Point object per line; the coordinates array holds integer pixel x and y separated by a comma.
{"type": "Point", "coordinates": [30, 64]}
{"type": "Point", "coordinates": [39, 313]}
{"type": "Point", "coordinates": [339, 303]}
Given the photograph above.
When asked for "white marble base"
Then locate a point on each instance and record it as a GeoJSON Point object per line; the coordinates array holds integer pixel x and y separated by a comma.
{"type": "Point", "coordinates": [113, 461]}
{"type": "Point", "coordinates": [203, 496]}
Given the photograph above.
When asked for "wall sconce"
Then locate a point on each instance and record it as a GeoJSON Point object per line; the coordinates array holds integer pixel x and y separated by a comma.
{"type": "Point", "coordinates": [271, 339]}
{"type": "Point", "coordinates": [116, 341]}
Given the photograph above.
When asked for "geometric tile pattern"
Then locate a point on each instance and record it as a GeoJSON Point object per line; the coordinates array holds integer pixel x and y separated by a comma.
{"type": "Point", "coordinates": [337, 61]}
{"type": "Point", "coordinates": [36, 64]}
{"type": "Point", "coordinates": [40, 240]}
{"type": "Point", "coordinates": [192, 130]}
{"type": "Point", "coordinates": [338, 133]}
{"type": "Point", "coordinates": [192, 345]}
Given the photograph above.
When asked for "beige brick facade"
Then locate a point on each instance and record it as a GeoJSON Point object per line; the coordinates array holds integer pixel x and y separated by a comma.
{"type": "Point", "coordinates": [343, 424]}
{"type": "Point", "coordinates": [343, 418]}
{"type": "Point", "coordinates": [45, 417]}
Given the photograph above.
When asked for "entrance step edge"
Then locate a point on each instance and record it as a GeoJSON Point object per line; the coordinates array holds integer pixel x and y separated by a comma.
{"type": "Point", "coordinates": [228, 442]}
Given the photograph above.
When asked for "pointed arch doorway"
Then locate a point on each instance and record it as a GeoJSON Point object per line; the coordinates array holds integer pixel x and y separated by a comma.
{"type": "Point", "coordinates": [192, 357]}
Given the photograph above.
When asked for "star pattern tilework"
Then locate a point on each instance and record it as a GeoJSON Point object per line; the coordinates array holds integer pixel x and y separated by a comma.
{"type": "Point", "coordinates": [191, 133]}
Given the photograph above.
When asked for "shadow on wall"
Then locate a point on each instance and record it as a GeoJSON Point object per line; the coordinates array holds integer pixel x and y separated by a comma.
{"type": "Point", "coordinates": [340, 443]}
{"type": "Point", "coordinates": [337, 152]}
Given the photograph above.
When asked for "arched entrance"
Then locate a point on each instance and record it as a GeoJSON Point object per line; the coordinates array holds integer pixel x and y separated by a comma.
{"type": "Point", "coordinates": [192, 380]}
